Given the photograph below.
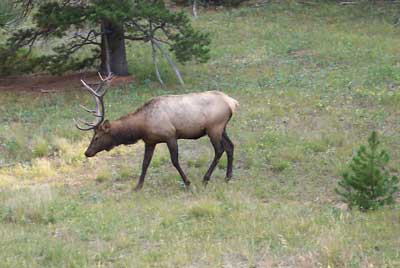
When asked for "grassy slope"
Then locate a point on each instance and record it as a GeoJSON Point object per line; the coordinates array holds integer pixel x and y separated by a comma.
{"type": "Point", "coordinates": [312, 83]}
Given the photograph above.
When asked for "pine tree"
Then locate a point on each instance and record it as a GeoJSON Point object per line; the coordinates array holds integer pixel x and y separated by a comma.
{"type": "Point", "coordinates": [95, 24]}
{"type": "Point", "coordinates": [368, 185]}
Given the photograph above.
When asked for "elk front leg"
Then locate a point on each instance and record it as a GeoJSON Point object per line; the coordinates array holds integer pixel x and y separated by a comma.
{"type": "Point", "coordinates": [148, 154]}
{"type": "Point", "coordinates": [173, 150]}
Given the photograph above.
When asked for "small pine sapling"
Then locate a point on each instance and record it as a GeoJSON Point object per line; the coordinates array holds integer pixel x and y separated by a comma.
{"type": "Point", "coordinates": [368, 185]}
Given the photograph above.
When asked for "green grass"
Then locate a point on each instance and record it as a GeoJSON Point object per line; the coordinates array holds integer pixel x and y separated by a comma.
{"type": "Point", "coordinates": [312, 82]}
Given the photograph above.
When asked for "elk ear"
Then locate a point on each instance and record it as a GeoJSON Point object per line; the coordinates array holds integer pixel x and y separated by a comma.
{"type": "Point", "coordinates": [106, 126]}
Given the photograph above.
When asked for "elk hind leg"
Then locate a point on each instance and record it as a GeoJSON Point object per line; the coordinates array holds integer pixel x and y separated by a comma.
{"type": "Point", "coordinates": [229, 148]}
{"type": "Point", "coordinates": [216, 141]}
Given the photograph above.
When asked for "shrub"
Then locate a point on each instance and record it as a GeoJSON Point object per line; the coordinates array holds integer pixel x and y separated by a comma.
{"type": "Point", "coordinates": [230, 3]}
{"type": "Point", "coordinates": [16, 62]}
{"type": "Point", "coordinates": [40, 148]}
{"type": "Point", "coordinates": [368, 185]}
{"type": "Point", "coordinates": [103, 176]}
{"type": "Point", "coordinates": [227, 3]}
{"type": "Point", "coordinates": [123, 174]}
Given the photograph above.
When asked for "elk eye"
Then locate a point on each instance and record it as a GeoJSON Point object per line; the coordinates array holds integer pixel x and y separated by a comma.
{"type": "Point", "coordinates": [96, 138]}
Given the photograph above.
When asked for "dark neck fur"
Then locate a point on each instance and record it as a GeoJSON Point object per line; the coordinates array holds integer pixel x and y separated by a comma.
{"type": "Point", "coordinates": [125, 131]}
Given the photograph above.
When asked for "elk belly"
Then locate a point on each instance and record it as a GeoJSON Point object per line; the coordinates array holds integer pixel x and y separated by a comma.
{"type": "Point", "coordinates": [193, 133]}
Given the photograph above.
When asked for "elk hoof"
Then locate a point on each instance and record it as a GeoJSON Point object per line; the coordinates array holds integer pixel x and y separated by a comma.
{"type": "Point", "coordinates": [137, 188]}
{"type": "Point", "coordinates": [191, 188]}
{"type": "Point", "coordinates": [187, 185]}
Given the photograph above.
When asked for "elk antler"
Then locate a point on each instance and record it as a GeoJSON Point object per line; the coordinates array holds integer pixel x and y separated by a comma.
{"type": "Point", "coordinates": [98, 95]}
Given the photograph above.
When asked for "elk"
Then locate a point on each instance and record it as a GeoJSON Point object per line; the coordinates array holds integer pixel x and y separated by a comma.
{"type": "Point", "coordinates": [164, 119]}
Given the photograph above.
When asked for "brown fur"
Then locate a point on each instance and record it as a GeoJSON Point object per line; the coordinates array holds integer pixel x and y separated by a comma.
{"type": "Point", "coordinates": [166, 119]}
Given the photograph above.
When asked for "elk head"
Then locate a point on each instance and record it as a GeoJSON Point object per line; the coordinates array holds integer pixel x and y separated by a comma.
{"type": "Point", "coordinates": [102, 139]}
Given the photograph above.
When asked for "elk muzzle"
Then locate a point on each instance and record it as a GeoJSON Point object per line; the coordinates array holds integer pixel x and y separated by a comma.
{"type": "Point", "coordinates": [89, 153]}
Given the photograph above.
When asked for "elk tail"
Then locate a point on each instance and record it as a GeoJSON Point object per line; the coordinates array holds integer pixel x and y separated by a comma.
{"type": "Point", "coordinates": [233, 104]}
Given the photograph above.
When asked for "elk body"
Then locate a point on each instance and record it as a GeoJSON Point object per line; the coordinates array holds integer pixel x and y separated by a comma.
{"type": "Point", "coordinates": [166, 119]}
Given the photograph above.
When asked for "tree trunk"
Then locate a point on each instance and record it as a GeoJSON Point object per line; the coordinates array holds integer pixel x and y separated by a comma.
{"type": "Point", "coordinates": [116, 43]}
{"type": "Point", "coordinates": [195, 8]}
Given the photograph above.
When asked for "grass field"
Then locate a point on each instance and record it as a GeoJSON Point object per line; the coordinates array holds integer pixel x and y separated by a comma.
{"type": "Point", "coordinates": [312, 80]}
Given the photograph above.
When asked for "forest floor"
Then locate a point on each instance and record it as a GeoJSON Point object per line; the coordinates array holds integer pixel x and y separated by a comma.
{"type": "Point", "coordinates": [45, 83]}
{"type": "Point", "coordinates": [313, 81]}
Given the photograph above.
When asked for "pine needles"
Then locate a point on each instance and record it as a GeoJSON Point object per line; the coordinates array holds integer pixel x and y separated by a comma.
{"type": "Point", "coordinates": [368, 185]}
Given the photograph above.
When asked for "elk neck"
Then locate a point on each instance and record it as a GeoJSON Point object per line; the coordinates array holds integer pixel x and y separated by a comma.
{"type": "Point", "coordinates": [127, 130]}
